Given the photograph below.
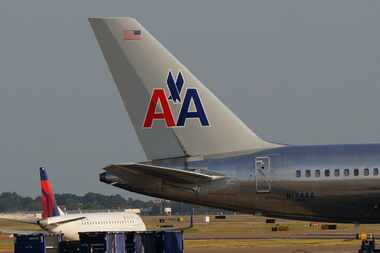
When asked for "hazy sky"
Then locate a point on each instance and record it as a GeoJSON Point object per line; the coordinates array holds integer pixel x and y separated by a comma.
{"type": "Point", "coordinates": [298, 72]}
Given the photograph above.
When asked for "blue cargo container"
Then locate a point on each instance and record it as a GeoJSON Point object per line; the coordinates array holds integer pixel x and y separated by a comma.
{"type": "Point", "coordinates": [154, 242]}
{"type": "Point", "coordinates": [32, 243]}
{"type": "Point", "coordinates": [173, 241]}
{"type": "Point", "coordinates": [132, 242]}
{"type": "Point", "coordinates": [102, 242]}
{"type": "Point", "coordinates": [52, 242]}
{"type": "Point", "coordinates": [69, 247]}
{"type": "Point", "coordinates": [37, 243]}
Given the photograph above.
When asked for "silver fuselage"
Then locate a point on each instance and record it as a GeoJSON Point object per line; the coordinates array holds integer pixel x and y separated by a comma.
{"type": "Point", "coordinates": [281, 182]}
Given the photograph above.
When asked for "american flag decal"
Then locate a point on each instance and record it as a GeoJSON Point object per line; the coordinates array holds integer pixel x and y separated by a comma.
{"type": "Point", "coordinates": [132, 35]}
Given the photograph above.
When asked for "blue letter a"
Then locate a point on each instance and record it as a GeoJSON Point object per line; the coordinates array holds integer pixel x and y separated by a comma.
{"type": "Point", "coordinates": [192, 94]}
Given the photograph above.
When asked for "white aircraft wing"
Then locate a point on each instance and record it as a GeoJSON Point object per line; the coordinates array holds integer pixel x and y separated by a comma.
{"type": "Point", "coordinates": [176, 175]}
{"type": "Point", "coordinates": [59, 220]}
{"type": "Point", "coordinates": [18, 217]}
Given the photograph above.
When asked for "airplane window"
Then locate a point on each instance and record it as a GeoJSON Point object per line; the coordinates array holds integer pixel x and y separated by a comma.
{"type": "Point", "coordinates": [346, 172]}
{"type": "Point", "coordinates": [317, 173]}
{"type": "Point", "coordinates": [336, 173]}
{"type": "Point", "coordinates": [327, 173]}
{"type": "Point", "coordinates": [375, 171]}
{"type": "Point", "coordinates": [366, 172]}
{"type": "Point", "coordinates": [298, 173]}
{"type": "Point", "coordinates": [356, 172]}
{"type": "Point", "coordinates": [307, 173]}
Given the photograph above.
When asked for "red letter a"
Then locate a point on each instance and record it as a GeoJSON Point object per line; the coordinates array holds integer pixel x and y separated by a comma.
{"type": "Point", "coordinates": [159, 96]}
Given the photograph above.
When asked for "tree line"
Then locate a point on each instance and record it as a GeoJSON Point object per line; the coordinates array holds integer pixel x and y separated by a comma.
{"type": "Point", "coordinates": [13, 202]}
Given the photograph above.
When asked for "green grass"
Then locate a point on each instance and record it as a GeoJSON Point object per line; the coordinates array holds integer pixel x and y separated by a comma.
{"type": "Point", "coordinates": [239, 243]}
{"type": "Point", "coordinates": [6, 244]}
{"type": "Point", "coordinates": [14, 225]}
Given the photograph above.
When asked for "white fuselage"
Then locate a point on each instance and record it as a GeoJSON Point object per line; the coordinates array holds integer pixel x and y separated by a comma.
{"type": "Point", "coordinates": [70, 225]}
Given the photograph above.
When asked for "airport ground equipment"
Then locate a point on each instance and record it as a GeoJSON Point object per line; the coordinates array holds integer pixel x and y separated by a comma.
{"type": "Point", "coordinates": [279, 227]}
{"type": "Point", "coordinates": [102, 242]}
{"type": "Point", "coordinates": [329, 226]}
{"type": "Point", "coordinates": [368, 245]}
{"type": "Point", "coordinates": [132, 242]}
{"type": "Point", "coordinates": [162, 242]}
{"type": "Point", "coordinates": [69, 247]}
{"type": "Point", "coordinates": [37, 243]}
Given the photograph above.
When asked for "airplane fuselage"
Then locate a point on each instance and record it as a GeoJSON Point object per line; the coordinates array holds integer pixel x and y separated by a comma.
{"type": "Point", "coordinates": [70, 225]}
{"type": "Point", "coordinates": [176, 116]}
{"type": "Point", "coordinates": [337, 183]}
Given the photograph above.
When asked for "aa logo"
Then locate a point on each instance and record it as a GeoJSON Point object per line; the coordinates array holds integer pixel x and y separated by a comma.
{"type": "Point", "coordinates": [159, 105]}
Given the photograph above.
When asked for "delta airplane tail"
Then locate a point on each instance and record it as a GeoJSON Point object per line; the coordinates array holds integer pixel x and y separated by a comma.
{"type": "Point", "coordinates": [49, 206]}
{"type": "Point", "coordinates": [173, 113]}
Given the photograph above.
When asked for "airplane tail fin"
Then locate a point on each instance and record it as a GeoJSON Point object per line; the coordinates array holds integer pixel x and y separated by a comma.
{"type": "Point", "coordinates": [173, 113]}
{"type": "Point", "coordinates": [49, 206]}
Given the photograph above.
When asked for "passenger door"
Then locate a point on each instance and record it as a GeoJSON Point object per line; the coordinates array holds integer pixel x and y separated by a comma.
{"type": "Point", "coordinates": [263, 174]}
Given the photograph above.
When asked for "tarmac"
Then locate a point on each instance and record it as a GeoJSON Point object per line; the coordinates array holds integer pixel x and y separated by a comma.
{"type": "Point", "coordinates": [244, 233]}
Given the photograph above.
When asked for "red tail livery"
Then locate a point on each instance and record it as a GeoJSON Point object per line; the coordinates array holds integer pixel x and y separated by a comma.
{"type": "Point", "coordinates": [49, 206]}
{"type": "Point", "coordinates": [159, 99]}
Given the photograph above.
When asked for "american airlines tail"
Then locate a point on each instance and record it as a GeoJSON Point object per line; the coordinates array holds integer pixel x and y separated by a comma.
{"type": "Point", "coordinates": [173, 113]}
{"type": "Point", "coordinates": [49, 206]}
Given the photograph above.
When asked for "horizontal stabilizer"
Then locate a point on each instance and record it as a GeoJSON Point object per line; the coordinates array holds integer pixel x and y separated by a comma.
{"type": "Point", "coordinates": [59, 220]}
{"type": "Point", "coordinates": [176, 175]}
